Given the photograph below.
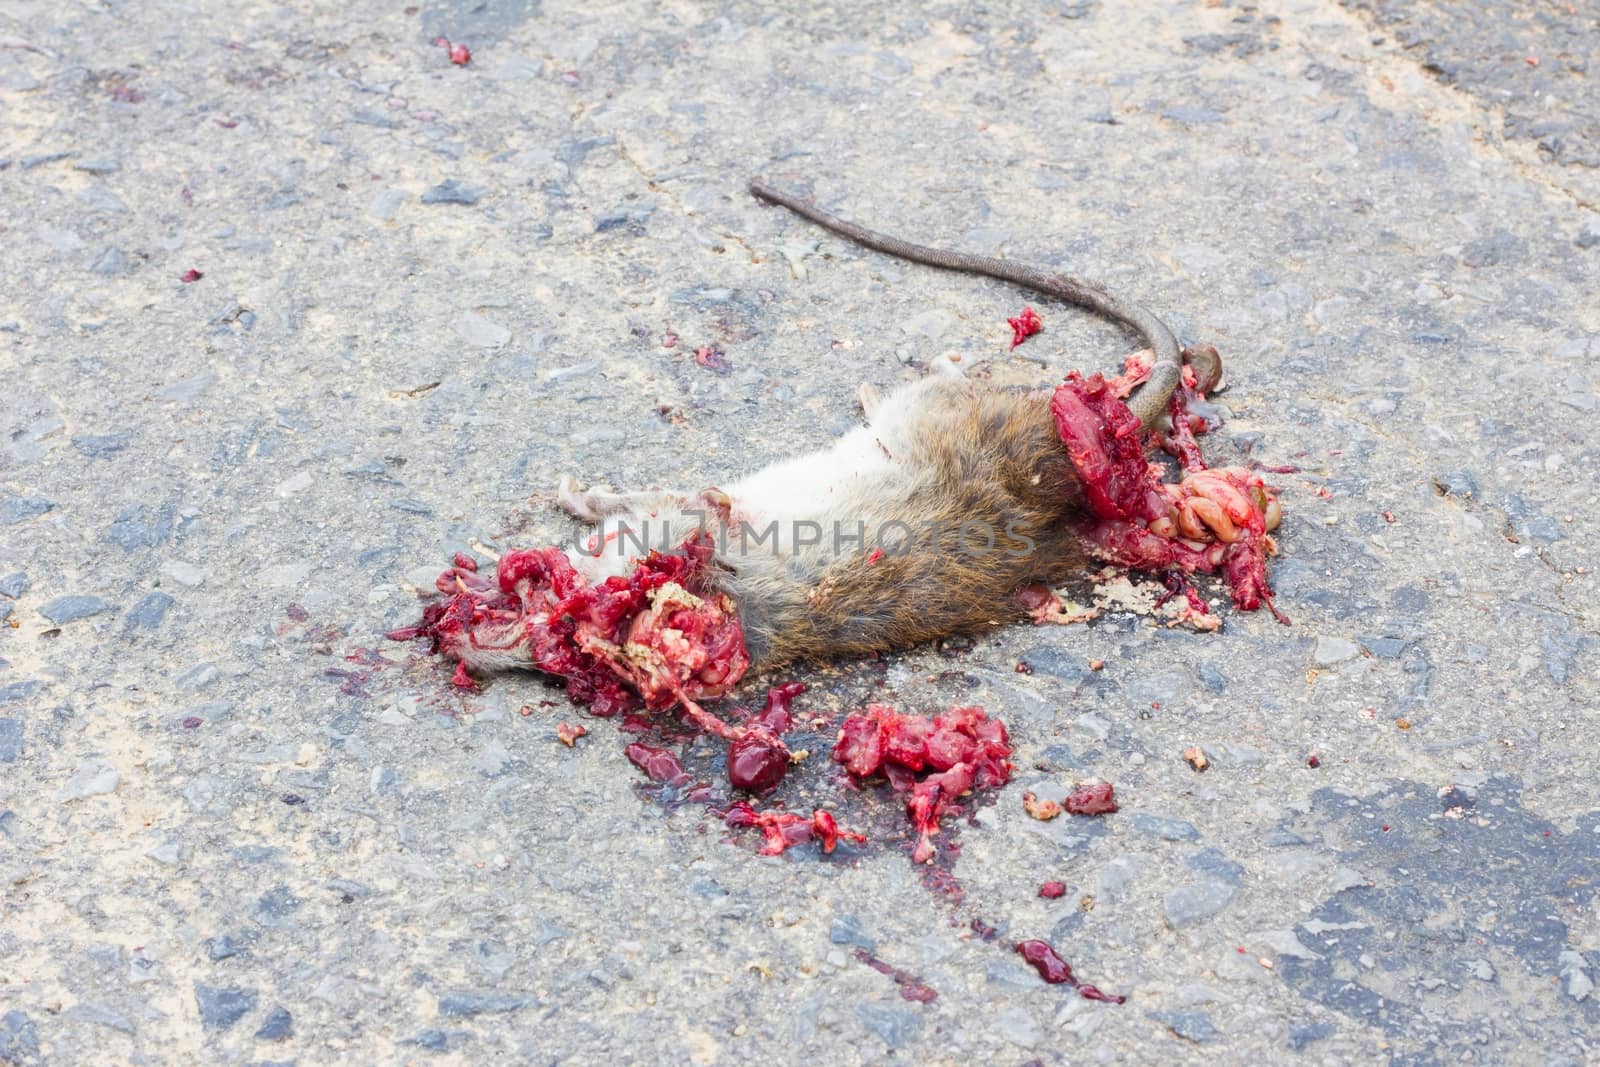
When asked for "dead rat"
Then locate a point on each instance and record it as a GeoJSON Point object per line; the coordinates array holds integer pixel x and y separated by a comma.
{"type": "Point", "coordinates": [923, 524]}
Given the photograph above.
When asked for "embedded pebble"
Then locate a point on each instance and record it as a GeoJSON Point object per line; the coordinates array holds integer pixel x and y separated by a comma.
{"type": "Point", "coordinates": [149, 611]}
{"type": "Point", "coordinates": [1193, 1026]}
{"type": "Point", "coordinates": [21, 508]}
{"type": "Point", "coordinates": [10, 740]}
{"type": "Point", "coordinates": [1189, 904]}
{"type": "Point", "coordinates": [463, 1005]}
{"type": "Point", "coordinates": [277, 1026]}
{"type": "Point", "coordinates": [1332, 650]}
{"type": "Point", "coordinates": [93, 778]}
{"type": "Point", "coordinates": [1164, 828]}
{"type": "Point", "coordinates": [453, 192]}
{"type": "Point", "coordinates": [222, 1006]}
{"type": "Point", "coordinates": [481, 332]}
{"type": "Point", "coordinates": [894, 1026]}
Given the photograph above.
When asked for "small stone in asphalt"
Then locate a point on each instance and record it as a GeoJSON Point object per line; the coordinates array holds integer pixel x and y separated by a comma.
{"type": "Point", "coordinates": [453, 192]}
{"type": "Point", "coordinates": [222, 1006]}
{"type": "Point", "coordinates": [462, 1005]}
{"type": "Point", "coordinates": [1193, 1026]}
{"type": "Point", "coordinates": [1302, 1035]}
{"type": "Point", "coordinates": [10, 740]}
{"type": "Point", "coordinates": [1332, 650]}
{"type": "Point", "coordinates": [98, 1015]}
{"type": "Point", "coordinates": [895, 1026]}
{"type": "Point", "coordinates": [21, 508]}
{"type": "Point", "coordinates": [150, 611]}
{"type": "Point", "coordinates": [93, 778]}
{"type": "Point", "coordinates": [65, 609]}
{"type": "Point", "coordinates": [277, 1026]}
{"type": "Point", "coordinates": [436, 1040]}
{"type": "Point", "coordinates": [19, 1041]}
{"type": "Point", "coordinates": [846, 930]}
{"type": "Point", "coordinates": [1164, 828]}
{"type": "Point", "coordinates": [99, 446]}
{"type": "Point", "coordinates": [14, 585]}
{"type": "Point", "coordinates": [1188, 904]}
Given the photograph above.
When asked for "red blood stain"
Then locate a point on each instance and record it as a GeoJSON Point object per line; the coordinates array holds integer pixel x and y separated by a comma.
{"type": "Point", "coordinates": [658, 764]}
{"type": "Point", "coordinates": [191, 275]}
{"type": "Point", "coordinates": [1055, 970]}
{"type": "Point", "coordinates": [1052, 890]}
{"type": "Point", "coordinates": [911, 987]}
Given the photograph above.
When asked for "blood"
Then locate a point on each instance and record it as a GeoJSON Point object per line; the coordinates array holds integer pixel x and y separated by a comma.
{"type": "Point", "coordinates": [1053, 890]}
{"type": "Point", "coordinates": [912, 988]}
{"type": "Point", "coordinates": [784, 830]}
{"type": "Point", "coordinates": [1055, 970]}
{"type": "Point", "coordinates": [658, 764]}
{"type": "Point", "coordinates": [191, 275]}
{"type": "Point", "coordinates": [940, 759]}
{"type": "Point", "coordinates": [1024, 326]}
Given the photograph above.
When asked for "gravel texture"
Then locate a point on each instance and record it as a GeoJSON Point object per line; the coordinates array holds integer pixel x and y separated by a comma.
{"type": "Point", "coordinates": [238, 826]}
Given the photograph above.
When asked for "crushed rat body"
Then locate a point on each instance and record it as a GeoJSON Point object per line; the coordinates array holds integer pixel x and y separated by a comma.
{"type": "Point", "coordinates": [944, 515]}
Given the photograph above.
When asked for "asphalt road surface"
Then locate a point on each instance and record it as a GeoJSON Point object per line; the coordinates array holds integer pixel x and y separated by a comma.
{"type": "Point", "coordinates": [292, 308]}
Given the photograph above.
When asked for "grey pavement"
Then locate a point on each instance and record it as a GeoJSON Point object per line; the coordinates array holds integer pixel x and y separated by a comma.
{"type": "Point", "coordinates": [238, 826]}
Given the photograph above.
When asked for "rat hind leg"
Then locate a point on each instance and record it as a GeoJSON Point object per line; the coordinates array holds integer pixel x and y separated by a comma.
{"type": "Point", "coordinates": [592, 505]}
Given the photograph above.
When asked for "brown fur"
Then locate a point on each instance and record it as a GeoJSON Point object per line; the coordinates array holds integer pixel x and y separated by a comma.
{"type": "Point", "coordinates": [973, 453]}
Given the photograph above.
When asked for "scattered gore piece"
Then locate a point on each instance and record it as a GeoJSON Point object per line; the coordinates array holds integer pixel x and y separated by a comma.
{"type": "Point", "coordinates": [1024, 326]}
{"type": "Point", "coordinates": [459, 54]}
{"type": "Point", "coordinates": [713, 360]}
{"type": "Point", "coordinates": [758, 758]}
{"type": "Point", "coordinates": [1097, 798]}
{"type": "Point", "coordinates": [190, 275]}
{"type": "Point", "coordinates": [784, 829]}
{"type": "Point", "coordinates": [658, 764]}
{"type": "Point", "coordinates": [1052, 890]}
{"type": "Point", "coordinates": [568, 733]}
{"type": "Point", "coordinates": [1043, 810]}
{"type": "Point", "coordinates": [1055, 970]}
{"type": "Point", "coordinates": [939, 759]}
{"type": "Point", "coordinates": [1212, 521]}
